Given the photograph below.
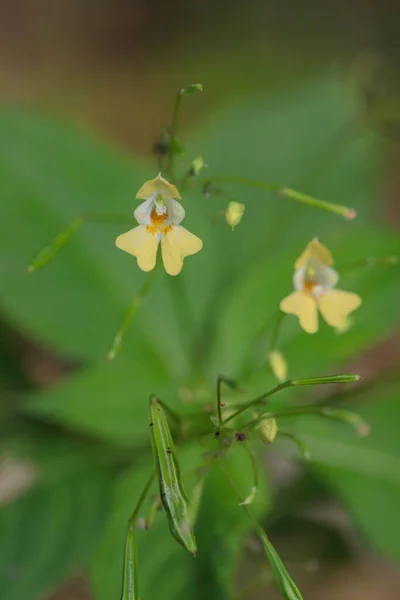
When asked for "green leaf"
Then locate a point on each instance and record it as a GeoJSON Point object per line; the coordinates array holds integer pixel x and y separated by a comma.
{"type": "Point", "coordinates": [363, 472]}
{"type": "Point", "coordinates": [109, 400]}
{"type": "Point", "coordinates": [50, 532]}
{"type": "Point", "coordinates": [222, 523]}
{"type": "Point", "coordinates": [50, 173]}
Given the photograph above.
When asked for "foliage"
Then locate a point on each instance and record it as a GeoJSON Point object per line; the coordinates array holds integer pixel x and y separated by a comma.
{"type": "Point", "coordinates": [216, 317]}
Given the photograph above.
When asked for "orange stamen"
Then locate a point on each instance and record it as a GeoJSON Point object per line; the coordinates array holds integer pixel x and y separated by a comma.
{"type": "Point", "coordinates": [157, 219]}
{"type": "Point", "coordinates": [308, 286]}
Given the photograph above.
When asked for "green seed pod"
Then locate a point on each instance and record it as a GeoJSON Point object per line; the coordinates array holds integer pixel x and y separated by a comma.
{"type": "Point", "coordinates": [175, 503]}
{"type": "Point", "coordinates": [285, 583]}
{"type": "Point", "coordinates": [130, 589]}
{"type": "Point", "coordinates": [268, 430]}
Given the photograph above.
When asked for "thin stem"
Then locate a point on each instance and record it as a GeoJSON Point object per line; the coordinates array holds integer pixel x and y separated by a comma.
{"type": "Point", "coordinates": [249, 499]}
{"type": "Point", "coordinates": [276, 330]}
{"type": "Point", "coordinates": [292, 383]}
{"type": "Point", "coordinates": [285, 583]}
{"type": "Point", "coordinates": [197, 87]}
{"type": "Point", "coordinates": [142, 498]}
{"type": "Point", "coordinates": [47, 252]}
{"type": "Point", "coordinates": [260, 400]}
{"type": "Point", "coordinates": [219, 405]}
{"type": "Point", "coordinates": [370, 261]}
{"type": "Point", "coordinates": [233, 385]}
{"type": "Point", "coordinates": [183, 312]}
{"type": "Point", "coordinates": [303, 449]}
{"type": "Point", "coordinates": [118, 339]}
{"type": "Point", "coordinates": [287, 192]}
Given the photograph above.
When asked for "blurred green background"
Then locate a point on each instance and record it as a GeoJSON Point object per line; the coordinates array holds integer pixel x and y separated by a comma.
{"type": "Point", "coordinates": [302, 94]}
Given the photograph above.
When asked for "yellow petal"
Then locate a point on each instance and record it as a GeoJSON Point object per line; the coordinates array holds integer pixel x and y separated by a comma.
{"type": "Point", "coordinates": [142, 244]}
{"type": "Point", "coordinates": [304, 307]}
{"type": "Point", "coordinates": [175, 245]}
{"type": "Point", "coordinates": [278, 365]}
{"type": "Point", "coordinates": [159, 185]}
{"type": "Point", "coordinates": [318, 252]}
{"type": "Point", "coordinates": [337, 305]}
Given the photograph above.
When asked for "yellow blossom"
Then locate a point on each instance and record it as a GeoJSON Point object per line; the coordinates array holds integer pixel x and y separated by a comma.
{"type": "Point", "coordinates": [159, 219]}
{"type": "Point", "coordinates": [314, 282]}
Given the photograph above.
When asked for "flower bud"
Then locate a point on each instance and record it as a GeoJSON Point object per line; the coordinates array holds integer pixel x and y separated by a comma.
{"type": "Point", "coordinates": [234, 213]}
{"type": "Point", "coordinates": [268, 430]}
{"type": "Point", "coordinates": [278, 365]}
{"type": "Point", "coordinates": [197, 165]}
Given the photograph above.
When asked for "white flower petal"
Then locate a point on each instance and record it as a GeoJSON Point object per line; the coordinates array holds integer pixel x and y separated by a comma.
{"type": "Point", "coordinates": [140, 243]}
{"type": "Point", "coordinates": [327, 278]}
{"type": "Point", "coordinates": [298, 278]}
{"type": "Point", "coordinates": [175, 210]}
{"type": "Point", "coordinates": [142, 212]}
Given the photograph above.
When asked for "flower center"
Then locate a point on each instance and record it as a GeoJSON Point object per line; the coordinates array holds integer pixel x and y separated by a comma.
{"type": "Point", "coordinates": [157, 219]}
{"type": "Point", "coordinates": [308, 286]}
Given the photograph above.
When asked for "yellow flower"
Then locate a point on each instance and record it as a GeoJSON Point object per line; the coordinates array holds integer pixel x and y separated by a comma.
{"type": "Point", "coordinates": [314, 281]}
{"type": "Point", "coordinates": [159, 219]}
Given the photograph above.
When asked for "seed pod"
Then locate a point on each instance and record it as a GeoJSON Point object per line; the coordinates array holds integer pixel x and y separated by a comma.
{"type": "Point", "coordinates": [130, 589]}
{"type": "Point", "coordinates": [268, 430]}
{"type": "Point", "coordinates": [175, 503]}
{"type": "Point", "coordinates": [285, 583]}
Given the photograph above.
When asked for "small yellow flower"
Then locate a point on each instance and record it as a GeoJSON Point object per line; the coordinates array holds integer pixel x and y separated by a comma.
{"type": "Point", "coordinates": [159, 219]}
{"type": "Point", "coordinates": [314, 281]}
{"type": "Point", "coordinates": [234, 213]}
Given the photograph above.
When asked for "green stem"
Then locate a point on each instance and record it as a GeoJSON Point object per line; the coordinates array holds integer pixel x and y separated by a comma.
{"type": "Point", "coordinates": [287, 192]}
{"type": "Point", "coordinates": [47, 252]}
{"type": "Point", "coordinates": [292, 383]}
{"type": "Point", "coordinates": [184, 316]}
{"type": "Point", "coordinates": [142, 498]}
{"type": "Point", "coordinates": [370, 261]}
{"type": "Point", "coordinates": [233, 385]}
{"type": "Point", "coordinates": [285, 583]}
{"type": "Point", "coordinates": [254, 469]}
{"type": "Point", "coordinates": [119, 337]}
{"type": "Point", "coordinates": [276, 330]}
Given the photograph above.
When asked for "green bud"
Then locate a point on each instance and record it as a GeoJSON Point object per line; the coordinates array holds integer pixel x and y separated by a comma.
{"type": "Point", "coordinates": [197, 165]}
{"type": "Point", "coordinates": [268, 430]}
{"type": "Point", "coordinates": [324, 380]}
{"type": "Point", "coordinates": [130, 578]}
{"type": "Point", "coordinates": [192, 89]}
